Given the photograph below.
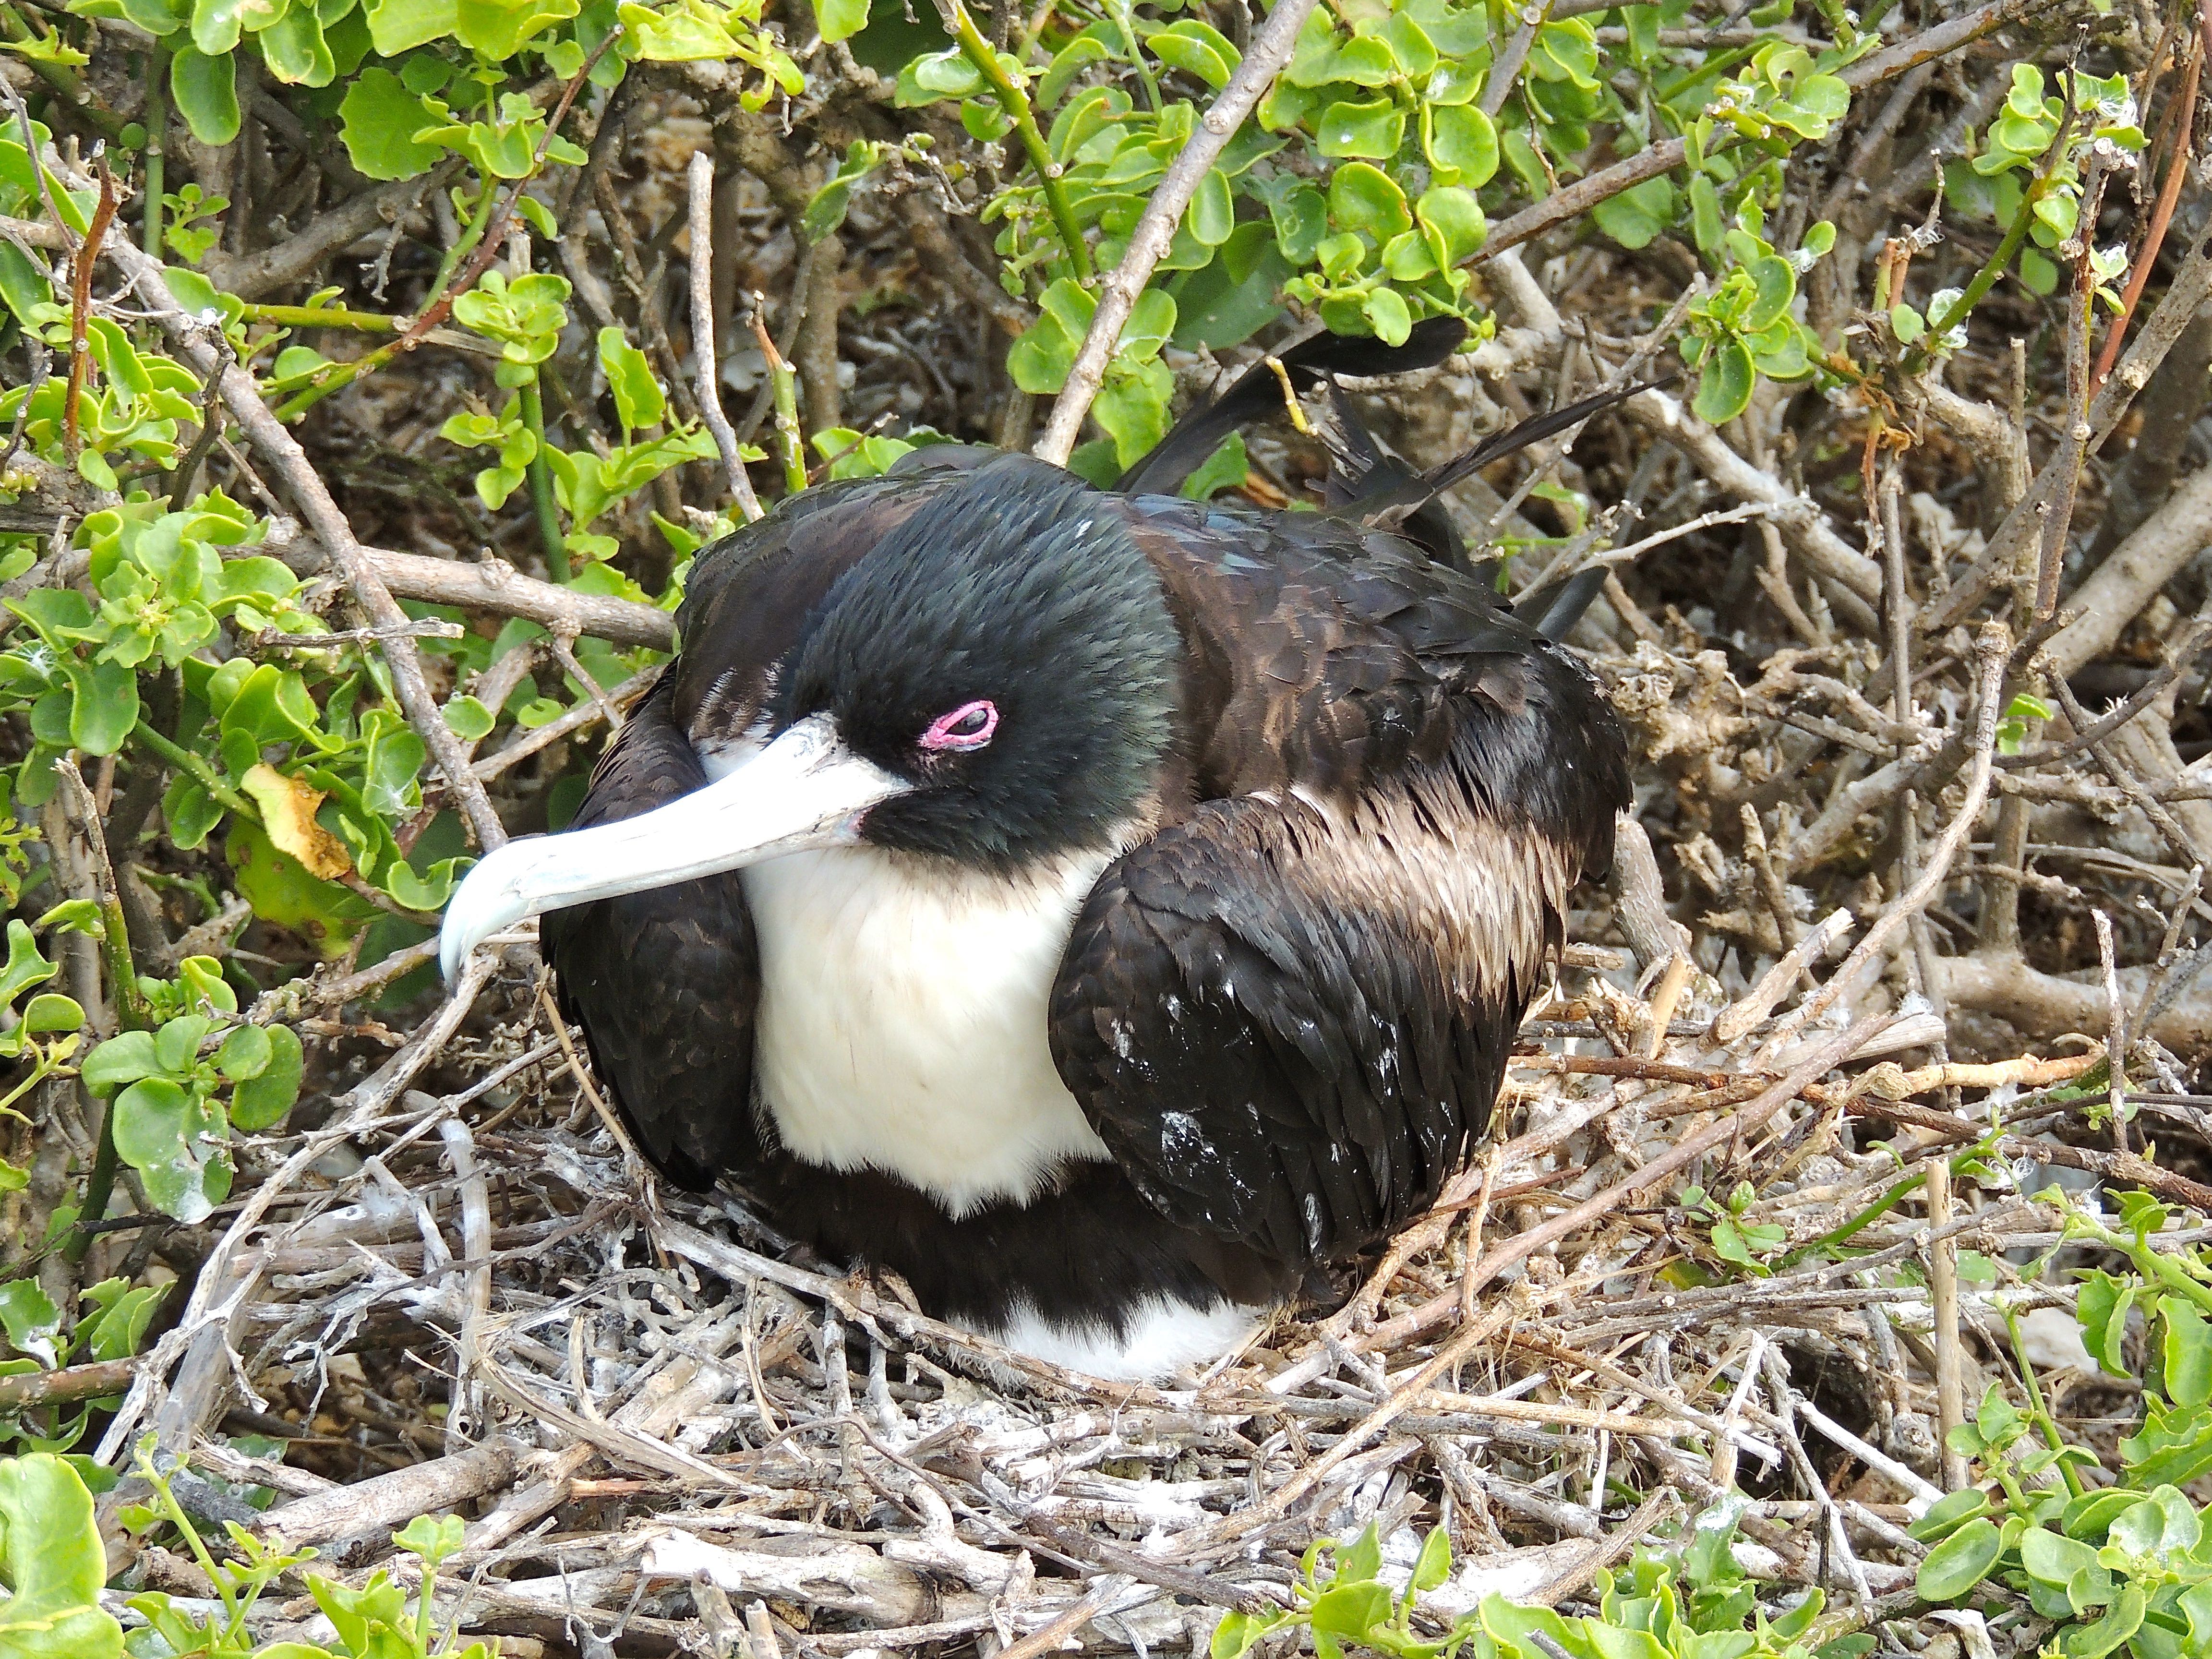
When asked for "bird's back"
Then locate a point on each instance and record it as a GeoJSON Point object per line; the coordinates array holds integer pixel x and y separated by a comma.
{"type": "Point", "coordinates": [1331, 658]}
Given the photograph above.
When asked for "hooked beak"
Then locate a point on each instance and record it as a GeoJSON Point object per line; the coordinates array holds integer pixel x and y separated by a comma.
{"type": "Point", "coordinates": [806, 789]}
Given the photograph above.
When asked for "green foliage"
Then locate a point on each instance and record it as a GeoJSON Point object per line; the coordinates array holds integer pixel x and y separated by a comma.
{"type": "Point", "coordinates": [55, 1566]}
{"type": "Point", "coordinates": [2126, 1566]}
{"type": "Point", "coordinates": [2030, 162]}
{"type": "Point", "coordinates": [1689, 1601]}
{"type": "Point", "coordinates": [395, 130]}
{"type": "Point", "coordinates": [45, 1032]}
{"type": "Point", "coordinates": [1746, 328]}
{"type": "Point", "coordinates": [112, 1327]}
{"type": "Point", "coordinates": [372, 1622]}
{"type": "Point", "coordinates": [2012, 729]}
{"type": "Point", "coordinates": [1371, 172]}
{"type": "Point", "coordinates": [179, 1089]}
{"type": "Point", "coordinates": [1748, 1246]}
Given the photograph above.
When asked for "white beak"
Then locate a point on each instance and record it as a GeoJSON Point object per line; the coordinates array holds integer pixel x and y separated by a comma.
{"type": "Point", "coordinates": [806, 789]}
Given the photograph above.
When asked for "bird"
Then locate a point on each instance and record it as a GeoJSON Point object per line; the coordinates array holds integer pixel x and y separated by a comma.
{"type": "Point", "coordinates": [1110, 912]}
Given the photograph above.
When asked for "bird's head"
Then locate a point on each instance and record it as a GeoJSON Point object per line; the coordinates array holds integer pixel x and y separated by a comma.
{"type": "Point", "coordinates": [993, 685]}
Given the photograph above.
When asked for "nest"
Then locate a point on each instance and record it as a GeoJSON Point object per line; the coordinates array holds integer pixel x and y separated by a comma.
{"type": "Point", "coordinates": [669, 1434]}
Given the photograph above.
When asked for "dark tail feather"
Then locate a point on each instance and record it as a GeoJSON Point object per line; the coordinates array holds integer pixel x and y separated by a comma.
{"type": "Point", "coordinates": [1400, 504]}
{"type": "Point", "coordinates": [1555, 609]}
{"type": "Point", "coordinates": [1360, 468]}
{"type": "Point", "coordinates": [1257, 391]}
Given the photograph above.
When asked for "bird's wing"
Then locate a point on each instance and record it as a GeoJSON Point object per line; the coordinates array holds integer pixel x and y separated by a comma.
{"type": "Point", "coordinates": [665, 983]}
{"type": "Point", "coordinates": [1287, 1012]}
{"type": "Point", "coordinates": [1328, 656]}
{"type": "Point", "coordinates": [1288, 1022]}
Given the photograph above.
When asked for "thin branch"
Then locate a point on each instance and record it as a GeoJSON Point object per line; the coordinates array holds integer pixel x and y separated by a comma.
{"type": "Point", "coordinates": [2177, 169]}
{"type": "Point", "coordinates": [1993, 647]}
{"type": "Point", "coordinates": [705, 357]}
{"type": "Point", "coordinates": [493, 587]}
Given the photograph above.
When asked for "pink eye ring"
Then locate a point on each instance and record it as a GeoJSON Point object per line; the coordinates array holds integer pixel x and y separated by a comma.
{"type": "Point", "coordinates": [969, 726]}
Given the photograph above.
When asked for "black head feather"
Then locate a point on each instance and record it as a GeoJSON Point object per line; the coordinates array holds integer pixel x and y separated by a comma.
{"type": "Point", "coordinates": [1014, 586]}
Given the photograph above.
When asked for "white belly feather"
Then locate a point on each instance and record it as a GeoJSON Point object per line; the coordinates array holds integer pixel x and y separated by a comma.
{"type": "Point", "coordinates": [902, 1023]}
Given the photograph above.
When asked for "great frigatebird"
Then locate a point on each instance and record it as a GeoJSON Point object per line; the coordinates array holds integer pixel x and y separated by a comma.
{"type": "Point", "coordinates": [1101, 908]}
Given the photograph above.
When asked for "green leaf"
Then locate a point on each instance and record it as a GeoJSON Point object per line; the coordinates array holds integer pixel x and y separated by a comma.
{"type": "Point", "coordinates": [159, 18]}
{"type": "Point", "coordinates": [1365, 198]}
{"type": "Point", "coordinates": [1960, 1561]}
{"type": "Point", "coordinates": [1212, 215]}
{"type": "Point", "coordinates": [25, 966]}
{"type": "Point", "coordinates": [54, 1564]}
{"type": "Point", "coordinates": [1373, 129]}
{"type": "Point", "coordinates": [432, 1540]}
{"type": "Point", "coordinates": [1906, 324]}
{"type": "Point", "coordinates": [1705, 224]}
{"type": "Point", "coordinates": [243, 1054]}
{"type": "Point", "coordinates": [2092, 1641]}
{"type": "Point", "coordinates": [398, 26]}
{"type": "Point", "coordinates": [177, 1044]}
{"type": "Point", "coordinates": [840, 19]}
{"type": "Point", "coordinates": [2162, 1524]}
{"type": "Point", "coordinates": [1362, 1558]}
{"type": "Point", "coordinates": [206, 95]}
{"type": "Point", "coordinates": [1947, 1514]}
{"type": "Point", "coordinates": [1775, 286]}
{"type": "Point", "coordinates": [1463, 142]}
{"type": "Point", "coordinates": [191, 812]}
{"type": "Point", "coordinates": [1228, 467]}
{"type": "Point", "coordinates": [1453, 221]}
{"type": "Point", "coordinates": [1237, 1635]}
{"type": "Point", "coordinates": [469, 719]}
{"type": "Point", "coordinates": [217, 24]}
{"type": "Point", "coordinates": [31, 1320]}
{"type": "Point", "coordinates": [639, 400]}
{"type": "Point", "coordinates": [937, 75]}
{"type": "Point", "coordinates": [121, 1060]}
{"type": "Point", "coordinates": [1348, 1613]}
{"type": "Point", "coordinates": [1040, 360]}
{"type": "Point", "coordinates": [260, 1102]}
{"type": "Point", "coordinates": [2090, 1516]}
{"type": "Point", "coordinates": [2101, 1307]}
{"type": "Point", "coordinates": [2173, 1447]}
{"type": "Point", "coordinates": [294, 48]}
{"type": "Point", "coordinates": [1724, 387]}
{"type": "Point", "coordinates": [1636, 217]}
{"type": "Point", "coordinates": [1433, 1566]}
{"type": "Point", "coordinates": [1386, 310]}
{"type": "Point", "coordinates": [2052, 1558]}
{"type": "Point", "coordinates": [378, 120]}
{"type": "Point", "coordinates": [178, 1141]}
{"type": "Point", "coordinates": [1301, 220]}
{"type": "Point", "coordinates": [1132, 408]}
{"type": "Point", "coordinates": [1151, 323]}
{"type": "Point", "coordinates": [115, 1331]}
{"type": "Point", "coordinates": [106, 706]}
{"type": "Point", "coordinates": [1197, 48]}
{"type": "Point", "coordinates": [498, 28]}
{"type": "Point", "coordinates": [51, 1011]}
{"type": "Point", "coordinates": [2187, 1352]}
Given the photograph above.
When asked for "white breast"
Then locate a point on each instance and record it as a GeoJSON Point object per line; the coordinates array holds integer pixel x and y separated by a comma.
{"type": "Point", "coordinates": [902, 1023]}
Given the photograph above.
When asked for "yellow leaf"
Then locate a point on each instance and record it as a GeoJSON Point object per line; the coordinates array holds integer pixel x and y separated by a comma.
{"type": "Point", "coordinates": [288, 813]}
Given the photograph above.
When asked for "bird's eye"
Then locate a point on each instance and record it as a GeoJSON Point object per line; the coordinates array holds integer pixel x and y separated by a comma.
{"type": "Point", "coordinates": [969, 726]}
